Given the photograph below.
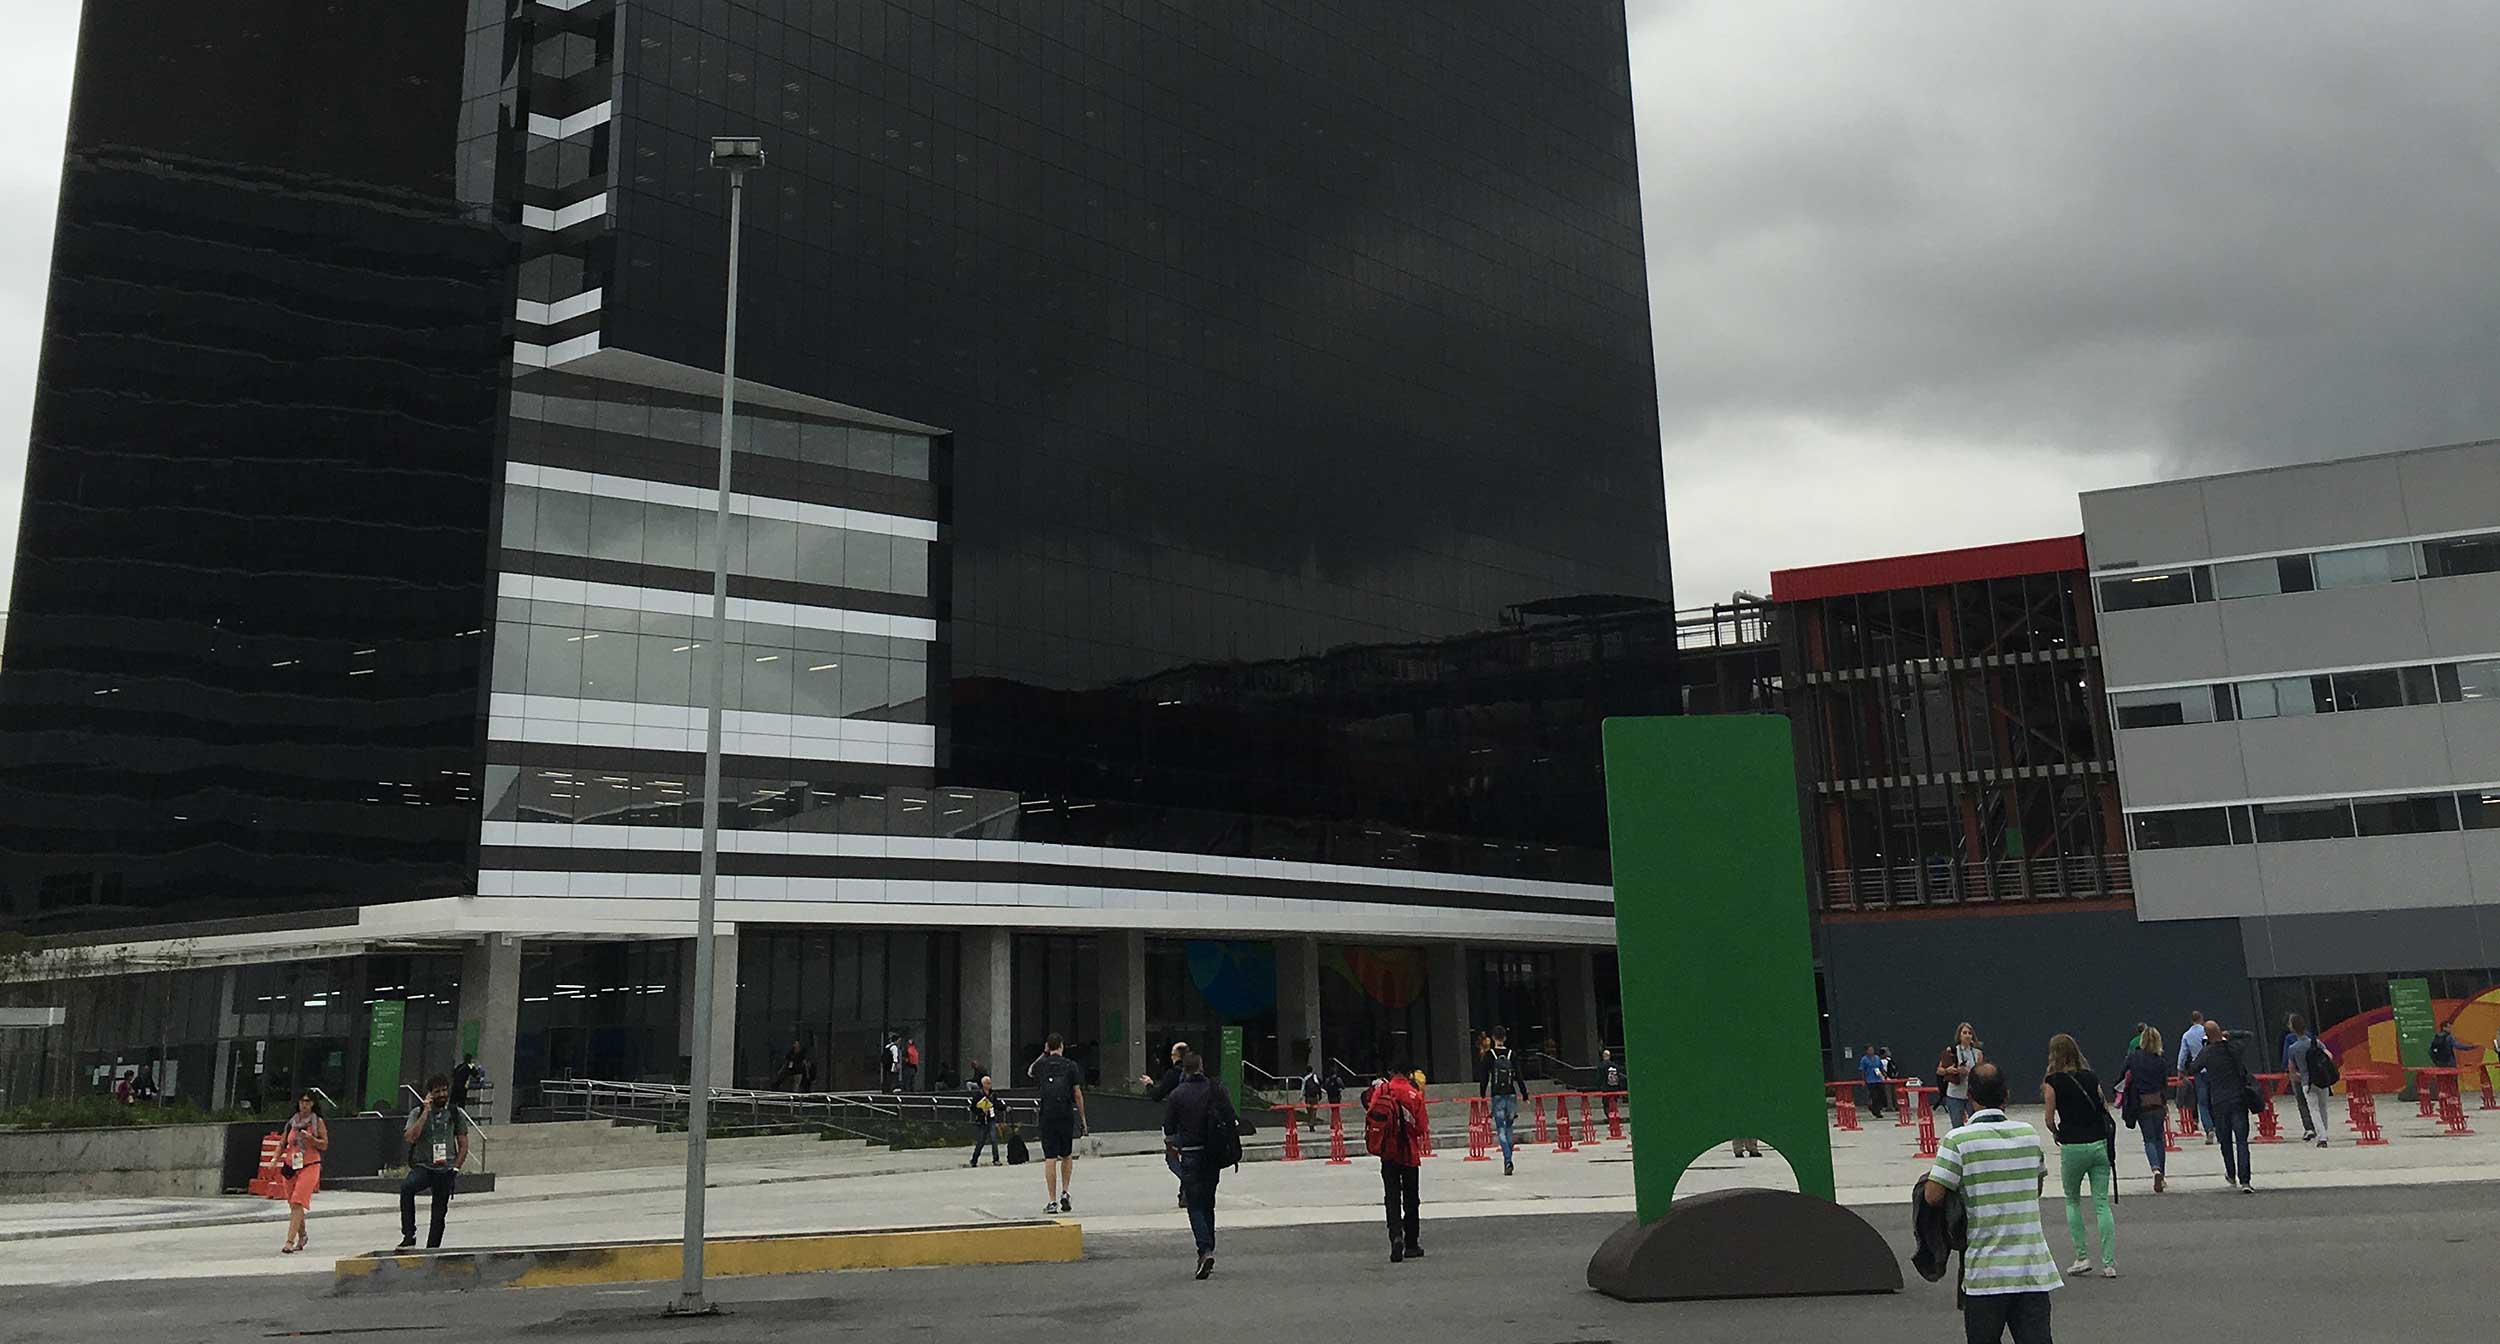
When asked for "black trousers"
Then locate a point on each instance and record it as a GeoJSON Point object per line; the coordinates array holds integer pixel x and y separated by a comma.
{"type": "Point", "coordinates": [1986, 1319]}
{"type": "Point", "coordinates": [1402, 1196]}
{"type": "Point", "coordinates": [437, 1179]}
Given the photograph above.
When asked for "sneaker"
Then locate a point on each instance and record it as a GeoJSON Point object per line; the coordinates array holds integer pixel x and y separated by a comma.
{"type": "Point", "coordinates": [1397, 1251]}
{"type": "Point", "coordinates": [1414, 1252]}
{"type": "Point", "coordinates": [1050, 1206]}
{"type": "Point", "coordinates": [2109, 1271]}
{"type": "Point", "coordinates": [1066, 1204]}
{"type": "Point", "coordinates": [1506, 1167]}
{"type": "Point", "coordinates": [2247, 1189]}
{"type": "Point", "coordinates": [2080, 1267]}
{"type": "Point", "coordinates": [2310, 1137]}
{"type": "Point", "coordinates": [2161, 1181]}
{"type": "Point", "coordinates": [1206, 1266]}
{"type": "Point", "coordinates": [406, 1243]}
{"type": "Point", "coordinates": [2322, 1143]}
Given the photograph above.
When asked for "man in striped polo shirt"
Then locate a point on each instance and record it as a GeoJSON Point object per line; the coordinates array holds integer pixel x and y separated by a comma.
{"type": "Point", "coordinates": [2007, 1269]}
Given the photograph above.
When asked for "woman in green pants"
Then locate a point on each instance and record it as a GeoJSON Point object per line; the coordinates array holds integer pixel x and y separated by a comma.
{"type": "Point", "coordinates": [2071, 1100]}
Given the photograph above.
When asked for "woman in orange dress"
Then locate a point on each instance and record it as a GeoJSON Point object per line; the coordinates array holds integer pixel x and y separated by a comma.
{"type": "Point", "coordinates": [300, 1147]}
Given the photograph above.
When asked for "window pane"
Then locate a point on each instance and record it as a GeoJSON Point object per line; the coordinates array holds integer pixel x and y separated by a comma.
{"type": "Point", "coordinates": [555, 666]}
{"type": "Point", "coordinates": [2382, 689]}
{"type": "Point", "coordinates": [767, 680]}
{"type": "Point", "coordinates": [816, 685]}
{"type": "Point", "coordinates": [668, 534]}
{"type": "Point", "coordinates": [2405, 816]}
{"type": "Point", "coordinates": [2156, 709]}
{"type": "Point", "coordinates": [2135, 592]}
{"type": "Point", "coordinates": [2330, 820]}
{"type": "Point", "coordinates": [2421, 688]}
{"type": "Point", "coordinates": [2481, 808]}
{"type": "Point", "coordinates": [772, 548]}
{"type": "Point", "coordinates": [665, 674]}
{"type": "Point", "coordinates": [2363, 565]}
{"type": "Point", "coordinates": [2478, 681]}
{"type": "Point", "coordinates": [2242, 832]}
{"type": "Point", "coordinates": [2185, 829]}
{"type": "Point", "coordinates": [520, 517]}
{"type": "Point", "coordinates": [819, 555]}
{"type": "Point", "coordinates": [868, 561]}
{"type": "Point", "coordinates": [563, 523]}
{"type": "Point", "coordinates": [2248, 578]}
{"type": "Point", "coordinates": [608, 665]}
{"type": "Point", "coordinates": [616, 528]}
{"type": "Point", "coordinates": [2464, 555]}
{"type": "Point", "coordinates": [511, 658]}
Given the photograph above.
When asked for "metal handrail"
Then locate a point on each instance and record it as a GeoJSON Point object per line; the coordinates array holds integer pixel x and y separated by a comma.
{"type": "Point", "coordinates": [842, 1112]}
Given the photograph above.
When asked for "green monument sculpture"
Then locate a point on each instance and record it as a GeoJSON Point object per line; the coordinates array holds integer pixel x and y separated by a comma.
{"type": "Point", "coordinates": [1711, 923]}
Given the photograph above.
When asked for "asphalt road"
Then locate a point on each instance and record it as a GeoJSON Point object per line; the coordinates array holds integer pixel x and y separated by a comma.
{"type": "Point", "coordinates": [2314, 1265]}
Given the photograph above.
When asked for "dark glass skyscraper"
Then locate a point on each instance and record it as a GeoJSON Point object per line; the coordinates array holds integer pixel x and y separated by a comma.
{"type": "Point", "coordinates": [1198, 478]}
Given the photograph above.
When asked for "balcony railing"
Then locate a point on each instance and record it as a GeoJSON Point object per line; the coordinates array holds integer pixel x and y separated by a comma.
{"type": "Point", "coordinates": [1947, 883]}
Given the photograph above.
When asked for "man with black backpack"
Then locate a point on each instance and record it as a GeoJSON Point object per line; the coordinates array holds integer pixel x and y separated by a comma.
{"type": "Point", "coordinates": [2312, 1070]}
{"type": "Point", "coordinates": [1393, 1131]}
{"type": "Point", "coordinates": [1201, 1137]}
{"type": "Point", "coordinates": [1504, 1088]}
{"type": "Point", "coordinates": [1063, 1112]}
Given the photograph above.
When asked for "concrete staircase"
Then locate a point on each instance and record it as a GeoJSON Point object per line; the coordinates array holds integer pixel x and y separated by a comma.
{"type": "Point", "coordinates": [564, 1146]}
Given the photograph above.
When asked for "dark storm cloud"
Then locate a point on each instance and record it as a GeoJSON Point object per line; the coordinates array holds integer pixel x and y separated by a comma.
{"type": "Point", "coordinates": [2199, 235]}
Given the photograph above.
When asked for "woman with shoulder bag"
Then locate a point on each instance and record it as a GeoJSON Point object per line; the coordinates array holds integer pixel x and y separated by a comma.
{"type": "Point", "coordinates": [1953, 1070]}
{"type": "Point", "coordinates": [2144, 1102]}
{"type": "Point", "coordinates": [300, 1146]}
{"type": "Point", "coordinates": [2070, 1103]}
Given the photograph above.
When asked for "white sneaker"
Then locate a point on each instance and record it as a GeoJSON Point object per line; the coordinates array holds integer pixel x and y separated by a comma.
{"type": "Point", "coordinates": [2109, 1271]}
{"type": "Point", "coordinates": [2080, 1267]}
{"type": "Point", "coordinates": [2322, 1143]}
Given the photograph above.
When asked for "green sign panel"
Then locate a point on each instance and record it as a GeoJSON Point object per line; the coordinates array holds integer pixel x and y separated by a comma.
{"type": "Point", "coordinates": [390, 1018]}
{"type": "Point", "coordinates": [1228, 1064]}
{"type": "Point", "coordinates": [469, 1032]}
{"type": "Point", "coordinates": [1710, 904]}
{"type": "Point", "coordinates": [2414, 1023]}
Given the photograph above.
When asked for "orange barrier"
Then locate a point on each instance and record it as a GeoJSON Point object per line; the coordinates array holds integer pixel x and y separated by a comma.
{"type": "Point", "coordinates": [270, 1183]}
{"type": "Point", "coordinates": [1844, 1107]}
{"type": "Point", "coordinates": [1541, 1136]}
{"type": "Point", "coordinates": [1479, 1129]}
{"type": "Point", "coordinates": [1615, 1102]}
{"type": "Point", "coordinates": [1427, 1149]}
{"type": "Point", "coordinates": [1293, 1132]}
{"type": "Point", "coordinates": [2269, 1125]}
{"type": "Point", "coordinates": [1901, 1107]}
{"type": "Point", "coordinates": [2491, 1102]}
{"type": "Point", "coordinates": [2426, 1099]}
{"type": "Point", "coordinates": [1336, 1135]}
{"type": "Point", "coordinates": [2447, 1087]}
{"type": "Point", "coordinates": [1562, 1125]}
{"type": "Point", "coordinates": [2362, 1110]}
{"type": "Point", "coordinates": [1588, 1131]}
{"type": "Point", "coordinates": [2185, 1091]}
{"type": "Point", "coordinates": [1926, 1121]}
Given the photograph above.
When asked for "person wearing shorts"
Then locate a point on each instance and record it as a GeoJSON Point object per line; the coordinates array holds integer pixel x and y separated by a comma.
{"type": "Point", "coordinates": [300, 1146]}
{"type": "Point", "coordinates": [1063, 1114]}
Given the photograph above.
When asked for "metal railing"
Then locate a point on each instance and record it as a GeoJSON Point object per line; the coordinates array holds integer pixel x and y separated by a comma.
{"type": "Point", "coordinates": [2081, 877]}
{"type": "Point", "coordinates": [873, 1116]}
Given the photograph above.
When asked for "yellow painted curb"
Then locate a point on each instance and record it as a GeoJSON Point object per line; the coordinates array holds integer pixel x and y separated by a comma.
{"type": "Point", "coordinates": [1018, 1243]}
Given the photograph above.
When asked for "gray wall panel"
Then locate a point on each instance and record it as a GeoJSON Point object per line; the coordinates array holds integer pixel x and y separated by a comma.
{"type": "Point", "coordinates": [2473, 741]}
{"type": "Point", "coordinates": [2146, 524]}
{"type": "Point", "coordinates": [2180, 643]}
{"type": "Point", "coordinates": [2189, 763]}
{"type": "Point", "coordinates": [2439, 939]}
{"type": "Point", "coordinates": [2452, 489]}
{"type": "Point", "coordinates": [2461, 615]}
{"type": "Point", "coordinates": [2336, 628]}
{"type": "Point", "coordinates": [2329, 504]}
{"type": "Point", "coordinates": [2387, 872]}
{"type": "Point", "coordinates": [2482, 858]}
{"type": "Point", "coordinates": [2175, 884]}
{"type": "Point", "coordinates": [2023, 978]}
{"type": "Point", "coordinates": [2371, 751]}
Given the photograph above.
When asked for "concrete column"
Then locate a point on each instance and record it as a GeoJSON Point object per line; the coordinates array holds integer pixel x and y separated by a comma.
{"type": "Point", "coordinates": [1297, 1005]}
{"type": "Point", "coordinates": [725, 1062]}
{"type": "Point", "coordinates": [989, 1004]}
{"type": "Point", "coordinates": [221, 1088]}
{"type": "Point", "coordinates": [490, 995]}
{"type": "Point", "coordinates": [1120, 959]}
{"type": "Point", "coordinates": [1577, 968]}
{"type": "Point", "coordinates": [1446, 983]}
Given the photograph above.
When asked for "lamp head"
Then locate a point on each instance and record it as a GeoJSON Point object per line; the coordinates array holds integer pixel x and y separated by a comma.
{"type": "Point", "coordinates": [736, 152]}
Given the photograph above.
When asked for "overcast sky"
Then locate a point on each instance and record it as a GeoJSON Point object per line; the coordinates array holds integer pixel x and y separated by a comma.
{"type": "Point", "coordinates": [1921, 271]}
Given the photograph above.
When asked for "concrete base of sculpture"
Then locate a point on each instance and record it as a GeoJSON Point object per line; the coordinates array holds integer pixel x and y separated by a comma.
{"type": "Point", "coordinates": [1746, 1243]}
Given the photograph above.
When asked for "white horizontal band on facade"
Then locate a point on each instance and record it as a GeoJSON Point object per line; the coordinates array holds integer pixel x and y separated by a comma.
{"type": "Point", "coordinates": [2316, 548]}
{"type": "Point", "coordinates": [2340, 795]}
{"type": "Point", "coordinates": [531, 355]}
{"type": "Point", "coordinates": [563, 4]}
{"type": "Point", "coordinates": [677, 602]}
{"type": "Point", "coordinates": [559, 128]}
{"type": "Point", "coordinates": [564, 217]}
{"type": "Point", "coordinates": [2252, 678]}
{"type": "Point", "coordinates": [561, 310]}
{"type": "Point", "coordinates": [574, 482]}
{"type": "Point", "coordinates": [796, 900]}
{"type": "Point", "coordinates": [621, 723]}
{"type": "Point", "coordinates": [686, 839]}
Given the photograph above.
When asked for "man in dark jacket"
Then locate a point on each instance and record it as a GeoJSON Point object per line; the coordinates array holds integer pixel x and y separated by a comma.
{"type": "Point", "coordinates": [2231, 1089]}
{"type": "Point", "coordinates": [1199, 1126]}
{"type": "Point", "coordinates": [1161, 1091]}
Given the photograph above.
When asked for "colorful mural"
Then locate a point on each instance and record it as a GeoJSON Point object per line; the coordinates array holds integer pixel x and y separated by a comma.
{"type": "Point", "coordinates": [2368, 1040]}
{"type": "Point", "coordinates": [1392, 976]}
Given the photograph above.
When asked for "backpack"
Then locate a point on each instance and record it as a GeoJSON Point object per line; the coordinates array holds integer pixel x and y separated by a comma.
{"type": "Point", "coordinates": [1017, 1153]}
{"type": "Point", "coordinates": [1502, 1075]}
{"type": "Point", "coordinates": [1057, 1074]}
{"type": "Point", "coordinates": [1384, 1122]}
{"type": "Point", "coordinates": [2321, 1066]}
{"type": "Point", "coordinates": [1223, 1146]}
{"type": "Point", "coordinates": [1311, 1089]}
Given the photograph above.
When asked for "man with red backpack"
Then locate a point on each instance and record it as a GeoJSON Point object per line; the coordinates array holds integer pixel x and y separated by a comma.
{"type": "Point", "coordinates": [1393, 1131]}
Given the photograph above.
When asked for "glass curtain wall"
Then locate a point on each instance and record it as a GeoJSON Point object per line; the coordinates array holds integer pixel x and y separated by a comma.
{"type": "Point", "coordinates": [1373, 1006]}
{"type": "Point", "coordinates": [1195, 986]}
{"type": "Point", "coordinates": [1058, 987]}
{"type": "Point", "coordinates": [840, 994]}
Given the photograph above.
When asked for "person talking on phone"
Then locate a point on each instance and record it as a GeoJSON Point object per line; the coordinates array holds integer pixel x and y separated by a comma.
{"type": "Point", "coordinates": [438, 1145]}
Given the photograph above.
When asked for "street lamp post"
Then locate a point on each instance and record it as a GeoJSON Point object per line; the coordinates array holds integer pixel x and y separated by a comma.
{"type": "Point", "coordinates": [738, 154]}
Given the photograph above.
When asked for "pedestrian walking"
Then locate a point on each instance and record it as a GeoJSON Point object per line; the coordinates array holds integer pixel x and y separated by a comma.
{"type": "Point", "coordinates": [1878, 1088]}
{"type": "Point", "coordinates": [1201, 1137]}
{"type": "Point", "coordinates": [2144, 1101]}
{"type": "Point", "coordinates": [2309, 1070]}
{"type": "Point", "coordinates": [466, 1080]}
{"type": "Point", "coordinates": [1393, 1131]}
{"type": "Point", "coordinates": [1996, 1163]}
{"type": "Point", "coordinates": [438, 1146]}
{"type": "Point", "coordinates": [2192, 1044]}
{"type": "Point", "coordinates": [890, 1063]}
{"type": "Point", "coordinates": [1063, 1115]}
{"type": "Point", "coordinates": [797, 1070]}
{"type": "Point", "coordinates": [1161, 1091]}
{"type": "Point", "coordinates": [1614, 1078]}
{"type": "Point", "coordinates": [2230, 1089]}
{"type": "Point", "coordinates": [1953, 1070]}
{"type": "Point", "coordinates": [2070, 1106]}
{"type": "Point", "coordinates": [911, 1064]}
{"type": "Point", "coordinates": [988, 1110]}
{"type": "Point", "coordinates": [1503, 1087]}
{"type": "Point", "coordinates": [300, 1146]}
